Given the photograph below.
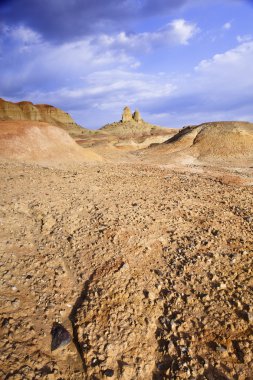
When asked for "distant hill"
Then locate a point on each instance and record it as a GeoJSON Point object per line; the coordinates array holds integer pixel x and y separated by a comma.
{"type": "Point", "coordinates": [129, 134]}
{"type": "Point", "coordinates": [132, 125]}
{"type": "Point", "coordinates": [40, 112]}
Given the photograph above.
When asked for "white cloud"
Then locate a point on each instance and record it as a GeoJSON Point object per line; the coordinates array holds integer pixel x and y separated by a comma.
{"type": "Point", "coordinates": [182, 31]}
{"type": "Point", "coordinates": [177, 32]}
{"type": "Point", "coordinates": [237, 59]}
{"type": "Point", "coordinates": [22, 33]}
{"type": "Point", "coordinates": [244, 38]}
{"type": "Point", "coordinates": [133, 86]}
{"type": "Point", "coordinates": [40, 62]}
{"type": "Point", "coordinates": [113, 87]}
{"type": "Point", "coordinates": [43, 64]}
{"type": "Point", "coordinates": [220, 88]}
{"type": "Point", "coordinates": [227, 26]}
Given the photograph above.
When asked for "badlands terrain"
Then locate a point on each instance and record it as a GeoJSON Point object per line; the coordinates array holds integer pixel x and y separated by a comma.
{"type": "Point", "coordinates": [128, 256]}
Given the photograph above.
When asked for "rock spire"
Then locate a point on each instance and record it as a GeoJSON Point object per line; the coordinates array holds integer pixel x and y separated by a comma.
{"type": "Point", "coordinates": [128, 116]}
{"type": "Point", "coordinates": [137, 116]}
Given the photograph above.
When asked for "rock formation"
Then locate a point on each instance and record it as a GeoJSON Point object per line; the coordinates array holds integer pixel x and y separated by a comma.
{"type": "Point", "coordinates": [132, 126]}
{"type": "Point", "coordinates": [137, 116]}
{"type": "Point", "coordinates": [38, 112]}
{"type": "Point", "coordinates": [28, 111]}
{"type": "Point", "coordinates": [127, 115]}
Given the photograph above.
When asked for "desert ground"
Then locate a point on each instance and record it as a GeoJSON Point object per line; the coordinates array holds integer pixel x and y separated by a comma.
{"type": "Point", "coordinates": [130, 263]}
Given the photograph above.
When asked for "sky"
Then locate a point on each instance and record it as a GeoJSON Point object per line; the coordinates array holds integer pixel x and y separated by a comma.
{"type": "Point", "coordinates": [180, 62]}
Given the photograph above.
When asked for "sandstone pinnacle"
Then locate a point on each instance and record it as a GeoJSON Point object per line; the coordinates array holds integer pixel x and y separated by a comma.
{"type": "Point", "coordinates": [127, 115]}
{"type": "Point", "coordinates": [137, 116]}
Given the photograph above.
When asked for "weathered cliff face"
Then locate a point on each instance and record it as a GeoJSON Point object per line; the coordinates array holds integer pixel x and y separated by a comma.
{"type": "Point", "coordinates": [10, 111]}
{"type": "Point", "coordinates": [38, 112]}
{"type": "Point", "coordinates": [53, 114]}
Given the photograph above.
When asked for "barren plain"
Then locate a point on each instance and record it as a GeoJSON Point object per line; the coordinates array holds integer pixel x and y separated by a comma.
{"type": "Point", "coordinates": [148, 268]}
{"type": "Point", "coordinates": [131, 265]}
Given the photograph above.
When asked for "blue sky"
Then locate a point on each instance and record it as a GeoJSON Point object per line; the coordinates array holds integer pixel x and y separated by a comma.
{"type": "Point", "coordinates": [180, 62]}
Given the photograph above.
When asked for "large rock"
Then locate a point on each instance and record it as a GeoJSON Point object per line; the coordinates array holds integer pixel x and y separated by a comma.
{"type": "Point", "coordinates": [137, 116]}
{"type": "Point", "coordinates": [127, 115]}
{"type": "Point", "coordinates": [60, 336]}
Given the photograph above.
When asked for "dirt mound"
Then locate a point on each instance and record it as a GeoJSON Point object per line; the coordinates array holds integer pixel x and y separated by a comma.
{"type": "Point", "coordinates": [31, 141]}
{"type": "Point", "coordinates": [225, 140]}
{"type": "Point", "coordinates": [218, 142]}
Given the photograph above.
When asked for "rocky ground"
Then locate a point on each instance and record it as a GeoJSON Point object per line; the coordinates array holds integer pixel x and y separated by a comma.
{"type": "Point", "coordinates": [148, 268]}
